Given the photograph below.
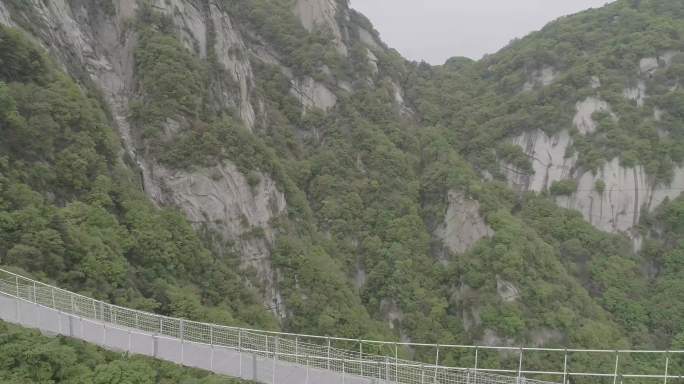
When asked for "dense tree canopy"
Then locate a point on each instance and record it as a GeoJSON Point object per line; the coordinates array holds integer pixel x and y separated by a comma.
{"type": "Point", "coordinates": [366, 183]}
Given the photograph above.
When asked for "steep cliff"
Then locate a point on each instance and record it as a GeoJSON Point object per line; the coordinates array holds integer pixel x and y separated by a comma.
{"type": "Point", "coordinates": [463, 224]}
{"type": "Point", "coordinates": [357, 193]}
{"type": "Point", "coordinates": [99, 44]}
{"type": "Point", "coordinates": [626, 192]}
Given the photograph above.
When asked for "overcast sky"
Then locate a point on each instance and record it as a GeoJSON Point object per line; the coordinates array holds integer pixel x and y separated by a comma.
{"type": "Point", "coordinates": [434, 30]}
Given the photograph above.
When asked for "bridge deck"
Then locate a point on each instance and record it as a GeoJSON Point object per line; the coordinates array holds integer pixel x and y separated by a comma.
{"type": "Point", "coordinates": [218, 359]}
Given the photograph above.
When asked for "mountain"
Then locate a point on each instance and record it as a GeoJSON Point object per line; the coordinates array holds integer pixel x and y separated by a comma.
{"type": "Point", "coordinates": [274, 163]}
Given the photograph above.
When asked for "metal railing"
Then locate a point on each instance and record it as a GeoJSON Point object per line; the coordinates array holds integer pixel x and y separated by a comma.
{"type": "Point", "coordinates": [373, 359]}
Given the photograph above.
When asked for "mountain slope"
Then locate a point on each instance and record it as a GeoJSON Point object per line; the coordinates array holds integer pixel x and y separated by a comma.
{"type": "Point", "coordinates": [277, 164]}
{"type": "Point", "coordinates": [589, 98]}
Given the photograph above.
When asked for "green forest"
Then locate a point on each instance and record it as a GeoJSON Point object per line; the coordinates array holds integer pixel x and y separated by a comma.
{"type": "Point", "coordinates": [28, 357]}
{"type": "Point", "coordinates": [366, 185]}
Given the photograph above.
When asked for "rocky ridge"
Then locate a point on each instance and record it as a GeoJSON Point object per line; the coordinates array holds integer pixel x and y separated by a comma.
{"type": "Point", "coordinates": [629, 191]}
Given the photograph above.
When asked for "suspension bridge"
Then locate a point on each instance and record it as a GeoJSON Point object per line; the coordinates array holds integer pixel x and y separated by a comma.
{"type": "Point", "coordinates": [286, 358]}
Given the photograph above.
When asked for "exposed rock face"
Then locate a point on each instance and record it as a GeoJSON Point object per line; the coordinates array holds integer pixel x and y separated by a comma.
{"type": "Point", "coordinates": [629, 193]}
{"type": "Point", "coordinates": [540, 78]}
{"type": "Point", "coordinates": [360, 277]}
{"type": "Point", "coordinates": [466, 300]}
{"type": "Point", "coordinates": [399, 100]}
{"type": "Point", "coordinates": [463, 225]}
{"type": "Point", "coordinates": [321, 13]}
{"type": "Point", "coordinates": [221, 199]}
{"type": "Point", "coordinates": [585, 109]}
{"type": "Point", "coordinates": [372, 60]}
{"type": "Point", "coordinates": [668, 57]}
{"type": "Point", "coordinates": [194, 25]}
{"type": "Point", "coordinates": [101, 46]}
{"type": "Point", "coordinates": [188, 16]}
{"type": "Point", "coordinates": [86, 40]}
{"type": "Point", "coordinates": [229, 40]}
{"type": "Point", "coordinates": [5, 17]}
{"type": "Point", "coordinates": [595, 82]}
{"type": "Point", "coordinates": [368, 38]}
{"type": "Point", "coordinates": [313, 94]}
{"type": "Point", "coordinates": [637, 93]}
{"type": "Point", "coordinates": [506, 290]}
{"type": "Point", "coordinates": [548, 159]}
{"type": "Point", "coordinates": [648, 65]}
{"type": "Point", "coordinates": [393, 314]}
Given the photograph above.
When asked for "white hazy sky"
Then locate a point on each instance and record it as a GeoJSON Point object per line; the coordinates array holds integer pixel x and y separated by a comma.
{"type": "Point", "coordinates": [434, 30]}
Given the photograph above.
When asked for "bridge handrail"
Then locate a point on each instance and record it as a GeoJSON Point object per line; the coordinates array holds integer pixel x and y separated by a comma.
{"type": "Point", "coordinates": [290, 347]}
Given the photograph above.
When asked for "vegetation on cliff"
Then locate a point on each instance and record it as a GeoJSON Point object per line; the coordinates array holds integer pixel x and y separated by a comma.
{"type": "Point", "coordinates": [367, 183]}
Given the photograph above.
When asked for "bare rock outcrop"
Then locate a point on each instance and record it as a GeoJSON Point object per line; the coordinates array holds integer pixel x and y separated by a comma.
{"type": "Point", "coordinates": [312, 93]}
{"type": "Point", "coordinates": [506, 290]}
{"type": "Point", "coordinates": [540, 78]}
{"type": "Point", "coordinates": [548, 160]}
{"type": "Point", "coordinates": [228, 41]}
{"type": "Point", "coordinates": [391, 312]}
{"type": "Point", "coordinates": [463, 225]}
{"type": "Point", "coordinates": [629, 193]}
{"type": "Point", "coordinates": [321, 13]}
{"type": "Point", "coordinates": [86, 40]}
{"type": "Point", "coordinates": [583, 119]}
{"type": "Point", "coordinates": [368, 38]}
{"type": "Point", "coordinates": [221, 199]}
{"type": "Point", "coordinates": [195, 25]}
{"type": "Point", "coordinates": [636, 93]}
{"type": "Point", "coordinates": [5, 17]}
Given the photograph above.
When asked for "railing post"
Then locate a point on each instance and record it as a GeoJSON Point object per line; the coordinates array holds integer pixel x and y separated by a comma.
{"type": "Point", "coordinates": [16, 283]}
{"type": "Point", "coordinates": [275, 358]}
{"type": "Point", "coordinates": [240, 349]}
{"type": "Point", "coordinates": [343, 370]}
{"type": "Point", "coordinates": [361, 356]}
{"type": "Point", "coordinates": [617, 361]}
{"type": "Point", "coordinates": [667, 362]}
{"type": "Point", "coordinates": [476, 360]}
{"type": "Point", "coordinates": [328, 353]}
{"type": "Point", "coordinates": [565, 367]}
{"type": "Point", "coordinates": [180, 328]}
{"type": "Point", "coordinates": [520, 364]}
{"type": "Point", "coordinates": [73, 307]}
{"type": "Point", "coordinates": [396, 362]}
{"type": "Point", "coordinates": [307, 369]}
{"type": "Point", "coordinates": [297, 349]}
{"type": "Point", "coordinates": [211, 340]}
{"type": "Point", "coordinates": [434, 380]}
{"type": "Point", "coordinates": [35, 297]}
{"type": "Point", "coordinates": [386, 369]}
